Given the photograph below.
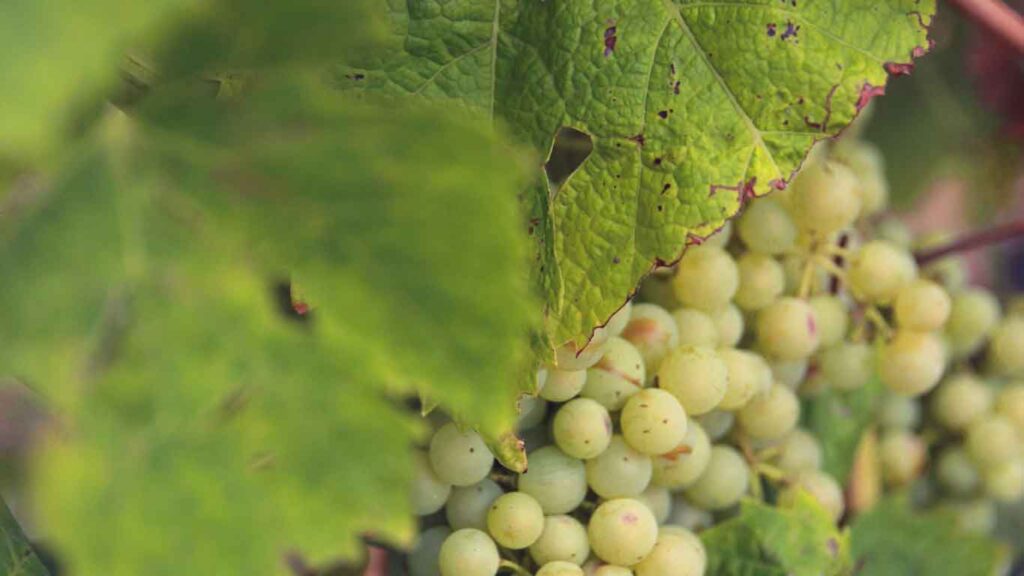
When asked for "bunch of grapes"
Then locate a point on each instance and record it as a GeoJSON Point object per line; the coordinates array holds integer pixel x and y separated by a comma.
{"type": "Point", "coordinates": [689, 398]}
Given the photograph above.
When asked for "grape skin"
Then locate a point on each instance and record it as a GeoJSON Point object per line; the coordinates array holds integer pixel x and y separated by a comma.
{"type": "Point", "coordinates": [821, 486]}
{"type": "Point", "coordinates": [832, 319]}
{"type": "Point", "coordinates": [459, 458]}
{"type": "Point", "coordinates": [677, 552]}
{"type": "Point", "coordinates": [1006, 348]}
{"type": "Point", "coordinates": [582, 428]}
{"type": "Point", "coordinates": [515, 520]}
{"type": "Point", "coordinates": [682, 466]}
{"type": "Point", "coordinates": [706, 279]}
{"type": "Point", "coordinates": [789, 373]}
{"type": "Point", "coordinates": [788, 329]}
{"type": "Point", "coordinates": [562, 385]}
{"type": "Point", "coordinates": [696, 376]}
{"type": "Point", "coordinates": [922, 305]}
{"type": "Point", "coordinates": [770, 415]}
{"type": "Point", "coordinates": [766, 228]}
{"type": "Point", "coordinates": [695, 327]}
{"type": "Point", "coordinates": [617, 376]}
{"type": "Point", "coordinates": [612, 570]}
{"type": "Point", "coordinates": [560, 569]}
{"type": "Point", "coordinates": [729, 325]}
{"type": "Point", "coordinates": [956, 472]}
{"type": "Point", "coordinates": [912, 362]}
{"type": "Point", "coordinates": [1005, 481]}
{"type": "Point", "coordinates": [899, 412]}
{"type": "Point", "coordinates": [653, 422]}
{"type": "Point", "coordinates": [654, 333]}
{"type": "Point", "coordinates": [972, 316]}
{"type": "Point", "coordinates": [620, 471]}
{"type": "Point", "coordinates": [761, 281]}
{"type": "Point", "coordinates": [564, 539]}
{"type": "Point", "coordinates": [557, 481]}
{"type": "Point", "coordinates": [847, 365]}
{"type": "Point", "coordinates": [724, 481]}
{"type": "Point", "coordinates": [469, 552]}
{"type": "Point", "coordinates": [960, 401]}
{"type": "Point", "coordinates": [799, 451]}
{"type": "Point", "coordinates": [659, 500]}
{"type": "Point", "coordinates": [531, 412]}
{"type": "Point", "coordinates": [569, 358]}
{"type": "Point", "coordinates": [622, 531]}
{"type": "Point", "coordinates": [467, 506]}
{"type": "Point", "coordinates": [903, 456]}
{"type": "Point", "coordinates": [748, 374]}
{"type": "Point", "coordinates": [716, 424]}
{"type": "Point", "coordinates": [823, 198]}
{"type": "Point", "coordinates": [1010, 405]}
{"type": "Point", "coordinates": [992, 441]}
{"type": "Point", "coordinates": [429, 493]}
{"type": "Point", "coordinates": [878, 271]}
{"type": "Point", "coordinates": [423, 559]}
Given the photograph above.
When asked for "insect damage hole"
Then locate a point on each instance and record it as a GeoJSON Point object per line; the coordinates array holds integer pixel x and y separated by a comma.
{"type": "Point", "coordinates": [571, 148]}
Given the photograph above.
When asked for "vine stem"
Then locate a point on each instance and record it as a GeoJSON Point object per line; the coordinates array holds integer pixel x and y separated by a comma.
{"type": "Point", "coordinates": [514, 567]}
{"type": "Point", "coordinates": [996, 17]}
{"type": "Point", "coordinates": [974, 240]}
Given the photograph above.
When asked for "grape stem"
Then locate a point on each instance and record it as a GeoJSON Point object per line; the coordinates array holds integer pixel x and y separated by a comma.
{"type": "Point", "coordinates": [510, 565]}
{"type": "Point", "coordinates": [972, 241]}
{"type": "Point", "coordinates": [996, 17]}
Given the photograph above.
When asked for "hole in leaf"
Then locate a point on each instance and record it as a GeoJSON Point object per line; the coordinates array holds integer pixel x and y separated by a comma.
{"type": "Point", "coordinates": [571, 148]}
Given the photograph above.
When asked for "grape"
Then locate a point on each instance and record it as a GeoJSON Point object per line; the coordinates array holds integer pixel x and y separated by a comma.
{"type": "Point", "coordinates": [899, 412]}
{"type": "Point", "coordinates": [766, 228]}
{"type": "Point", "coordinates": [724, 481]}
{"type": "Point", "coordinates": [1005, 481]}
{"type": "Point", "coordinates": [653, 421]}
{"type": "Point", "coordinates": [793, 266]}
{"type": "Point", "coordinates": [761, 281]}
{"type": "Point", "coordinates": [728, 325]}
{"type": "Point", "coordinates": [582, 428]}
{"type": "Point", "coordinates": [459, 458]}
{"type": "Point", "coordinates": [847, 365]}
{"type": "Point", "coordinates": [620, 471]}
{"type": "Point", "coordinates": [1006, 348]}
{"type": "Point", "coordinates": [515, 520]}
{"type": "Point", "coordinates": [787, 329]}
{"type": "Point", "coordinates": [560, 569]}
{"type": "Point", "coordinates": [562, 385]}
{"type": "Point", "coordinates": [977, 516]}
{"type": "Point", "coordinates": [467, 506]}
{"type": "Point", "coordinates": [912, 362]}
{"type": "Point", "coordinates": [622, 531]}
{"type": "Point", "coordinates": [654, 333]}
{"type": "Point", "coordinates": [903, 456]}
{"type": "Point", "coordinates": [821, 486]}
{"type": "Point", "coordinates": [695, 328]}
{"type": "Point", "coordinates": [617, 376]}
{"type": "Point", "coordinates": [831, 317]}
{"type": "Point", "coordinates": [687, 516]}
{"type": "Point", "coordinates": [878, 271]}
{"type": "Point", "coordinates": [569, 358]}
{"type": "Point", "coordinates": [469, 552]}
{"type": "Point", "coordinates": [719, 238]}
{"type": "Point", "coordinates": [423, 559]}
{"type": "Point", "coordinates": [972, 317]}
{"type": "Point", "coordinates": [612, 570]}
{"type": "Point", "coordinates": [992, 441]}
{"type": "Point", "coordinates": [895, 232]}
{"type": "Point", "coordinates": [823, 198]}
{"type": "Point", "coordinates": [706, 279]}
{"type": "Point", "coordinates": [922, 305]}
{"type": "Point", "coordinates": [748, 374]}
{"type": "Point", "coordinates": [429, 493]}
{"type": "Point", "coordinates": [616, 324]}
{"type": "Point", "coordinates": [956, 472]}
{"type": "Point", "coordinates": [1010, 405]}
{"type": "Point", "coordinates": [799, 451]}
{"type": "Point", "coordinates": [960, 401]}
{"type": "Point", "coordinates": [659, 500]}
{"type": "Point", "coordinates": [563, 539]}
{"type": "Point", "coordinates": [696, 376]}
{"type": "Point", "coordinates": [676, 553]}
{"type": "Point", "coordinates": [770, 415]}
{"type": "Point", "coordinates": [682, 466]}
{"type": "Point", "coordinates": [531, 412]}
{"type": "Point", "coordinates": [557, 481]}
{"type": "Point", "coordinates": [789, 373]}
{"type": "Point", "coordinates": [865, 160]}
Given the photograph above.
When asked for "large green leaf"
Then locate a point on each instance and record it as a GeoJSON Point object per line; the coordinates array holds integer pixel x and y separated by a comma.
{"type": "Point", "coordinates": [16, 555]}
{"type": "Point", "coordinates": [692, 107]}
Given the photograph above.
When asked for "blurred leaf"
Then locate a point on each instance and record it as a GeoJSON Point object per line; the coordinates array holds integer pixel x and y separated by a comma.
{"type": "Point", "coordinates": [16, 556]}
{"type": "Point", "coordinates": [839, 420]}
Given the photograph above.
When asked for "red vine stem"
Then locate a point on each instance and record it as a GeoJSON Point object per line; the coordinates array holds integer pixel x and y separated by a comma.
{"type": "Point", "coordinates": [997, 18]}
{"type": "Point", "coordinates": [974, 240]}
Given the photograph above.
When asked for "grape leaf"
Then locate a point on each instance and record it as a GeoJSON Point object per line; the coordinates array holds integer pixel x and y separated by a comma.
{"type": "Point", "coordinates": [839, 420]}
{"type": "Point", "coordinates": [16, 557]}
{"type": "Point", "coordinates": [692, 107]}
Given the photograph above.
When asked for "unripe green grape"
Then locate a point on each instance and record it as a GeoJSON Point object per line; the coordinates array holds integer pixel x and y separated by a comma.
{"type": "Point", "coordinates": [563, 539]}
{"type": "Point", "coordinates": [821, 486]}
{"type": "Point", "coordinates": [832, 318]}
{"type": "Point", "coordinates": [653, 421]}
{"type": "Point", "coordinates": [429, 493]}
{"type": "Point", "coordinates": [707, 278]}
{"type": "Point", "coordinates": [903, 456]}
{"type": "Point", "coordinates": [949, 271]}
{"type": "Point", "coordinates": [469, 552]}
{"type": "Point", "coordinates": [423, 559]}
{"type": "Point", "coordinates": [799, 451]}
{"type": "Point", "coordinates": [675, 553]}
{"type": "Point", "coordinates": [612, 570]}
{"type": "Point", "coordinates": [557, 481]}
{"type": "Point", "coordinates": [459, 458]}
{"type": "Point", "coordinates": [659, 500]}
{"type": "Point", "coordinates": [687, 516]}
{"type": "Point", "coordinates": [770, 415]}
{"type": "Point", "coordinates": [895, 232]}
{"type": "Point", "coordinates": [912, 362]}
{"type": "Point", "coordinates": [878, 271]}
{"type": "Point", "coordinates": [866, 162]}
{"type": "Point", "coordinates": [617, 376]}
{"type": "Point", "coordinates": [788, 329]}
{"type": "Point", "coordinates": [652, 330]}
{"type": "Point", "coordinates": [559, 568]}
{"type": "Point", "coordinates": [695, 327]}
{"type": "Point", "coordinates": [847, 365]}
{"type": "Point", "coordinates": [620, 471]}
{"type": "Point", "coordinates": [748, 374]}
{"type": "Point", "coordinates": [922, 305]}
{"type": "Point", "coordinates": [824, 198]}
{"type": "Point", "coordinates": [515, 520]}
{"type": "Point", "coordinates": [567, 357]}
{"type": "Point", "coordinates": [729, 325]}
{"type": "Point", "coordinates": [761, 281]}
{"type": "Point", "coordinates": [531, 412]}
{"type": "Point", "coordinates": [724, 481]}
{"type": "Point", "coordinates": [992, 441]}
{"type": "Point", "coordinates": [1005, 481]}
{"type": "Point", "coordinates": [680, 467]}
{"type": "Point", "coordinates": [1010, 405]}
{"type": "Point", "coordinates": [793, 266]}
{"type": "Point", "coordinates": [562, 385]}
{"type": "Point", "coordinates": [789, 373]}
{"type": "Point", "coordinates": [622, 531]}
{"type": "Point", "coordinates": [956, 472]}
{"type": "Point", "coordinates": [766, 228]}
{"type": "Point", "coordinates": [657, 288]}
{"type": "Point", "coordinates": [719, 238]}
{"type": "Point", "coordinates": [1006, 348]}
{"type": "Point", "coordinates": [582, 428]}
{"type": "Point", "coordinates": [976, 516]}
{"type": "Point", "coordinates": [467, 506]}
{"type": "Point", "coordinates": [972, 317]}
{"type": "Point", "coordinates": [696, 376]}
{"type": "Point", "coordinates": [961, 400]}
{"type": "Point", "coordinates": [615, 325]}
{"type": "Point", "coordinates": [716, 424]}
{"type": "Point", "coordinates": [899, 412]}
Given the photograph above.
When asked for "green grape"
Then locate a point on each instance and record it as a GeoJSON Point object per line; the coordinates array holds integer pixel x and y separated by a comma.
{"type": "Point", "coordinates": [766, 228]}
{"type": "Point", "coordinates": [895, 232]}
{"type": "Point", "coordinates": [467, 506]}
{"type": "Point", "coordinates": [706, 278]}
{"type": "Point", "coordinates": [976, 516]}
{"type": "Point", "coordinates": [899, 412]}
{"type": "Point", "coordinates": [865, 160]}
{"type": "Point", "coordinates": [902, 455]}
{"type": "Point", "coordinates": [789, 373]}
{"type": "Point", "coordinates": [922, 305]}
{"type": "Point", "coordinates": [847, 365]}
{"type": "Point", "coordinates": [429, 493]}
{"type": "Point", "coordinates": [531, 412]}
{"type": "Point", "coordinates": [1010, 405]}
{"type": "Point", "coordinates": [622, 531]}
{"type": "Point", "coordinates": [423, 559]}
{"type": "Point", "coordinates": [729, 325]}
{"type": "Point", "coordinates": [620, 471]}
{"type": "Point", "coordinates": [611, 570]}
{"type": "Point", "coordinates": [657, 288]}
{"type": "Point", "coordinates": [616, 324]}
{"type": "Point", "coordinates": [770, 415]}
{"type": "Point", "coordinates": [459, 458]}
{"type": "Point", "coordinates": [823, 198]}
{"type": "Point", "coordinates": [653, 421]}
{"type": "Point", "coordinates": [562, 385]}
{"type": "Point", "coordinates": [949, 271]}
{"type": "Point", "coordinates": [793, 266]}
{"type": "Point", "coordinates": [761, 281]}
{"type": "Point", "coordinates": [1006, 348]}
{"type": "Point", "coordinates": [682, 466]}
{"type": "Point", "coordinates": [569, 358]}
{"type": "Point", "coordinates": [992, 441]}
{"type": "Point", "coordinates": [515, 520]}
{"type": "Point", "coordinates": [973, 315]}
{"type": "Point", "coordinates": [617, 376]}
{"type": "Point", "coordinates": [563, 539]}
{"type": "Point", "coordinates": [697, 376]}
{"type": "Point", "coordinates": [831, 317]}
{"type": "Point", "coordinates": [469, 552]}
{"type": "Point", "coordinates": [557, 481]}
{"type": "Point", "coordinates": [654, 333]}
{"type": "Point", "coordinates": [1005, 481]}
{"type": "Point", "coordinates": [687, 516]}
{"type": "Point", "coordinates": [912, 362]}
{"type": "Point", "coordinates": [659, 500]}
{"type": "Point", "coordinates": [724, 481]}
{"type": "Point", "coordinates": [788, 329]}
{"type": "Point", "coordinates": [748, 374]}
{"type": "Point", "coordinates": [956, 472]}
{"type": "Point", "coordinates": [799, 451]}
{"type": "Point", "coordinates": [582, 428]}
{"type": "Point", "coordinates": [821, 486]}
{"type": "Point", "coordinates": [559, 568]}
{"type": "Point", "coordinates": [719, 238]}
{"type": "Point", "coordinates": [695, 328]}
{"type": "Point", "coordinates": [677, 552]}
{"type": "Point", "coordinates": [878, 271]}
{"type": "Point", "coordinates": [716, 424]}
{"type": "Point", "coordinates": [961, 400]}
